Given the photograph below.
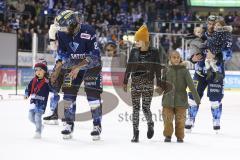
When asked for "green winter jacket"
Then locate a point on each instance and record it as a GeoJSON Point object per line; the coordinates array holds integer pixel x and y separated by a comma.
{"type": "Point", "coordinates": [180, 79]}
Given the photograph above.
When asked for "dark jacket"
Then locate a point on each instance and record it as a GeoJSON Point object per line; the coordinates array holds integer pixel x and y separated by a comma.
{"type": "Point", "coordinates": [221, 39]}
{"type": "Point", "coordinates": [40, 97]}
{"type": "Point", "coordinates": [196, 46]}
{"type": "Point", "coordinates": [180, 79]}
{"type": "Point", "coordinates": [148, 65]}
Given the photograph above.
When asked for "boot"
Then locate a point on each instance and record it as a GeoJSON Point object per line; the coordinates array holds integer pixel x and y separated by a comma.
{"type": "Point", "coordinates": [167, 139]}
{"type": "Point", "coordinates": [180, 140]}
{"type": "Point", "coordinates": [135, 138]}
{"type": "Point", "coordinates": [150, 131]}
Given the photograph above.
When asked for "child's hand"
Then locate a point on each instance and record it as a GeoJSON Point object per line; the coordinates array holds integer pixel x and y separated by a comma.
{"type": "Point", "coordinates": [210, 55]}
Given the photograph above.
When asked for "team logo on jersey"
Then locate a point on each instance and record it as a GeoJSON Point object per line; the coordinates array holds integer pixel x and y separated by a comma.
{"type": "Point", "coordinates": [85, 36]}
{"type": "Point", "coordinates": [73, 46]}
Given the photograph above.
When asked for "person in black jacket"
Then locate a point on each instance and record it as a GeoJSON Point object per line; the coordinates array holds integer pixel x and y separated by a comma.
{"type": "Point", "coordinates": [143, 65]}
{"type": "Point", "coordinates": [38, 90]}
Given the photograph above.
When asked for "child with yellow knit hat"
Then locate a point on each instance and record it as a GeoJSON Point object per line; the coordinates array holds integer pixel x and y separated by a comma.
{"type": "Point", "coordinates": [143, 65]}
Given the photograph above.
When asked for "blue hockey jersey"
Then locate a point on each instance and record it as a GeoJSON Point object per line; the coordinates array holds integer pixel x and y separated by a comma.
{"type": "Point", "coordinates": [73, 49]}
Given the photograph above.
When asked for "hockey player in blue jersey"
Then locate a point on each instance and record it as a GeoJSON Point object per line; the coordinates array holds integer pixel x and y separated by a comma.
{"type": "Point", "coordinates": [52, 118]}
{"type": "Point", "coordinates": [78, 60]}
{"type": "Point", "coordinates": [215, 89]}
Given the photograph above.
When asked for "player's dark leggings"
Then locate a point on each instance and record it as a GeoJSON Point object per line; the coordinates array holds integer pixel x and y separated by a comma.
{"type": "Point", "coordinates": [141, 88]}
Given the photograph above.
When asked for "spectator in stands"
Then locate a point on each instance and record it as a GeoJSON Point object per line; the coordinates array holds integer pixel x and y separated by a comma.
{"type": "Point", "coordinates": [104, 15]}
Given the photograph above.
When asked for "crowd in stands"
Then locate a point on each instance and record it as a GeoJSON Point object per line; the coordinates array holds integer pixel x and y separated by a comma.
{"type": "Point", "coordinates": [111, 18]}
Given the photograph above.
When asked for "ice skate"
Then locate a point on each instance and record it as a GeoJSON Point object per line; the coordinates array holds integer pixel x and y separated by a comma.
{"type": "Point", "coordinates": [52, 119]}
{"type": "Point", "coordinates": [96, 132]}
{"type": "Point", "coordinates": [67, 132]}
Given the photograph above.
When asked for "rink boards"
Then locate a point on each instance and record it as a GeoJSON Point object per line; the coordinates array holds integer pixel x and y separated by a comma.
{"type": "Point", "coordinates": [111, 76]}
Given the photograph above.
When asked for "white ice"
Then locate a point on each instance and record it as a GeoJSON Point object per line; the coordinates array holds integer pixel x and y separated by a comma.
{"type": "Point", "coordinates": [16, 134]}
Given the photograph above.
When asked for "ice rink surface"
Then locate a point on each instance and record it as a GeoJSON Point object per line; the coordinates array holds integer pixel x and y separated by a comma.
{"type": "Point", "coordinates": [16, 142]}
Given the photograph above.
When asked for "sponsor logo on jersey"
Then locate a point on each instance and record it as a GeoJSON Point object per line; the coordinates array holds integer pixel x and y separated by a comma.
{"type": "Point", "coordinates": [85, 36]}
{"type": "Point", "coordinates": [78, 56]}
{"type": "Point", "coordinates": [41, 98]}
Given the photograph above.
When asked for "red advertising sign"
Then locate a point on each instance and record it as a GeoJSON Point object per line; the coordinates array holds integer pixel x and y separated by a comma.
{"type": "Point", "coordinates": [113, 78]}
{"type": "Point", "coordinates": [8, 78]}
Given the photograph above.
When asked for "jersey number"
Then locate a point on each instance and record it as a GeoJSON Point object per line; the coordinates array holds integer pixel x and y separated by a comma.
{"type": "Point", "coordinates": [95, 45]}
{"type": "Point", "coordinates": [229, 44]}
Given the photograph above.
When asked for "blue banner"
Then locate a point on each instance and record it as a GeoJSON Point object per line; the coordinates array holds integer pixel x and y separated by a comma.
{"type": "Point", "coordinates": [232, 81]}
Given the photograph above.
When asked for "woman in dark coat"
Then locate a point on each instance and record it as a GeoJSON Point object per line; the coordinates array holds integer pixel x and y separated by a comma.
{"type": "Point", "coordinates": [143, 65]}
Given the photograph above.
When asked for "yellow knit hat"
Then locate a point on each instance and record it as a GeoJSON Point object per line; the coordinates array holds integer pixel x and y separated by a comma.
{"type": "Point", "coordinates": [142, 34]}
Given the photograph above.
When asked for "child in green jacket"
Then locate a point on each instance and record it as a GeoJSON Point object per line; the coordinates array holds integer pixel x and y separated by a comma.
{"type": "Point", "coordinates": [175, 102]}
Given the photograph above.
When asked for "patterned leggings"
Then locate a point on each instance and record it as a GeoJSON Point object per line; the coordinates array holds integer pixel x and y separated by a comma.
{"type": "Point", "coordinates": [141, 88]}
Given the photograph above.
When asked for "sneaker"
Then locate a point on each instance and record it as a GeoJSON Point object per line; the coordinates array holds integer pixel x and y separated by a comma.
{"type": "Point", "coordinates": [216, 124]}
{"type": "Point", "coordinates": [37, 135]}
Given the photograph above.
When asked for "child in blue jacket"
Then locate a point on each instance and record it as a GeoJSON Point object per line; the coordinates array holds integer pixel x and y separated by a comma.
{"type": "Point", "coordinates": [38, 90]}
